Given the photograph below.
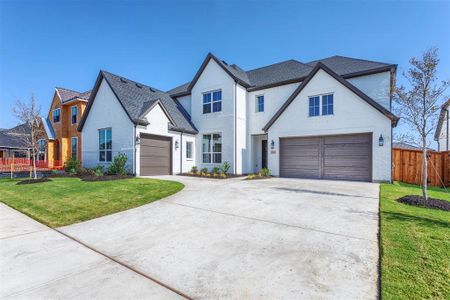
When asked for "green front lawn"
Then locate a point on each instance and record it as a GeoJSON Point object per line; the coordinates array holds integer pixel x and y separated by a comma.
{"type": "Point", "coordinates": [415, 246]}
{"type": "Point", "coordinates": [65, 201]}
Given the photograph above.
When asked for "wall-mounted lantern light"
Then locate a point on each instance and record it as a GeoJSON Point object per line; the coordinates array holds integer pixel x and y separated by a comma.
{"type": "Point", "coordinates": [138, 140]}
{"type": "Point", "coordinates": [272, 144]}
{"type": "Point", "coordinates": [177, 145]}
{"type": "Point", "coordinates": [381, 141]}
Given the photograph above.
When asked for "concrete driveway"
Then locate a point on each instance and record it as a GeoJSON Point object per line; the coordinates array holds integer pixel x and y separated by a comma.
{"type": "Point", "coordinates": [262, 239]}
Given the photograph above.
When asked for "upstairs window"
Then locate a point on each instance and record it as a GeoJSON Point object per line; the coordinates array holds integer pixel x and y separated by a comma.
{"type": "Point", "coordinates": [212, 102]}
{"type": "Point", "coordinates": [260, 103]}
{"type": "Point", "coordinates": [327, 104]}
{"type": "Point", "coordinates": [314, 106]}
{"type": "Point", "coordinates": [105, 144]}
{"type": "Point", "coordinates": [74, 111]}
{"type": "Point", "coordinates": [56, 115]}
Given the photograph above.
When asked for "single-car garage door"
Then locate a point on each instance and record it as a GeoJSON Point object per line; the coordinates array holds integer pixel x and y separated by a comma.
{"type": "Point", "coordinates": [155, 155]}
{"type": "Point", "coordinates": [347, 157]}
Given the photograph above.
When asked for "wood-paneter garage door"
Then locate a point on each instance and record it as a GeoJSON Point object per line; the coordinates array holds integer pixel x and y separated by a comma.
{"type": "Point", "coordinates": [155, 155]}
{"type": "Point", "coordinates": [346, 157]}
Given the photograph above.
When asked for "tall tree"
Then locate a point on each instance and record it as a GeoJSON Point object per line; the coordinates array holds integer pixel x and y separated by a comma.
{"type": "Point", "coordinates": [28, 113]}
{"type": "Point", "coordinates": [419, 103]}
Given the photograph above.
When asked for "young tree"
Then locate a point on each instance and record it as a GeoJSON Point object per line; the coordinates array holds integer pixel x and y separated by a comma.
{"type": "Point", "coordinates": [418, 104]}
{"type": "Point", "coordinates": [28, 113]}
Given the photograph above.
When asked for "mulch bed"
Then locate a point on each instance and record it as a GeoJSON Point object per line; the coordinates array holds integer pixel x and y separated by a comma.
{"type": "Point", "coordinates": [105, 177]}
{"type": "Point", "coordinates": [430, 203]}
{"type": "Point", "coordinates": [31, 181]}
{"type": "Point", "coordinates": [258, 177]}
{"type": "Point", "coordinates": [229, 176]}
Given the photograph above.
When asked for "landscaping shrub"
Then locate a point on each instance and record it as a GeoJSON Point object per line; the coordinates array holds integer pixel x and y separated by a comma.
{"type": "Point", "coordinates": [194, 169]}
{"type": "Point", "coordinates": [225, 167]}
{"type": "Point", "coordinates": [204, 170]}
{"type": "Point", "coordinates": [99, 170]}
{"type": "Point", "coordinates": [216, 170]}
{"type": "Point", "coordinates": [117, 167]}
{"type": "Point", "coordinates": [264, 172]}
{"type": "Point", "coordinates": [72, 165]}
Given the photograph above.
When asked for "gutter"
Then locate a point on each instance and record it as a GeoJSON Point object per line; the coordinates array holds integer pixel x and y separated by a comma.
{"type": "Point", "coordinates": [134, 150]}
{"type": "Point", "coordinates": [447, 129]}
{"type": "Point", "coordinates": [235, 128]}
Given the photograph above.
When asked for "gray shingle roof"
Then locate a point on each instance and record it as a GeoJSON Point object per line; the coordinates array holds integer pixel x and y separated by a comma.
{"type": "Point", "coordinates": [136, 98]}
{"type": "Point", "coordinates": [346, 65]}
{"type": "Point", "coordinates": [67, 95]}
{"type": "Point", "coordinates": [293, 71]}
{"type": "Point", "coordinates": [11, 138]}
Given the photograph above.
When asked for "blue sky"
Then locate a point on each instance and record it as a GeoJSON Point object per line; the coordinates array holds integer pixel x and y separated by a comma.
{"type": "Point", "coordinates": [44, 44]}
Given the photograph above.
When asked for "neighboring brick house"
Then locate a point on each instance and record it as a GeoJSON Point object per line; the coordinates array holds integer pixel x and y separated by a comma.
{"type": "Point", "coordinates": [63, 139]}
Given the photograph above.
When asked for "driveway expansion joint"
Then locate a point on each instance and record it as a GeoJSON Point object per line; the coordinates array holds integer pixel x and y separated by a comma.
{"type": "Point", "coordinates": [124, 265]}
{"type": "Point", "coordinates": [270, 222]}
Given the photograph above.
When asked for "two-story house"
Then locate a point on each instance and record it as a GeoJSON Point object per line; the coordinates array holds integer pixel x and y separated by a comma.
{"type": "Point", "coordinates": [63, 139]}
{"type": "Point", "coordinates": [329, 118]}
{"type": "Point", "coordinates": [442, 133]}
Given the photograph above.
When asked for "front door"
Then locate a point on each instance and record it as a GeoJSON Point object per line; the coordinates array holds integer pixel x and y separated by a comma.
{"type": "Point", "coordinates": [264, 154]}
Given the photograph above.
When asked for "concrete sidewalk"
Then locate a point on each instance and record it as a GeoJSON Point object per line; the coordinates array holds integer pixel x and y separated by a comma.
{"type": "Point", "coordinates": [38, 262]}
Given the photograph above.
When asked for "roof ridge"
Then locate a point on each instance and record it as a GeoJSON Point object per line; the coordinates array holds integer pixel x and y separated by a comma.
{"type": "Point", "coordinates": [133, 81]}
{"type": "Point", "coordinates": [353, 58]}
{"type": "Point", "coordinates": [62, 88]}
{"type": "Point", "coordinates": [278, 63]}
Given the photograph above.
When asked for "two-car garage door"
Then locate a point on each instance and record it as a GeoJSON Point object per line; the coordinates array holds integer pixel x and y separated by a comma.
{"type": "Point", "coordinates": [347, 157]}
{"type": "Point", "coordinates": [155, 155]}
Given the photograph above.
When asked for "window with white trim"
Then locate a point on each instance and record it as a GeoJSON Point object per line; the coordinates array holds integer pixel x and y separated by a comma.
{"type": "Point", "coordinates": [212, 102]}
{"type": "Point", "coordinates": [189, 150]}
{"type": "Point", "coordinates": [327, 104]}
{"type": "Point", "coordinates": [212, 148]}
{"type": "Point", "coordinates": [260, 103]}
{"type": "Point", "coordinates": [74, 114]}
{"type": "Point", "coordinates": [105, 144]}
{"type": "Point", "coordinates": [56, 115]}
{"type": "Point", "coordinates": [74, 147]}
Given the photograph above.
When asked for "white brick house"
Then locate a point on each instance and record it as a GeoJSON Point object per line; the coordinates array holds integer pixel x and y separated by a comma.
{"type": "Point", "coordinates": [323, 119]}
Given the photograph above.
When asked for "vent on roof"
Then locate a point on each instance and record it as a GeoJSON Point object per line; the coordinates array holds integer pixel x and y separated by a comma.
{"type": "Point", "coordinates": [123, 80]}
{"type": "Point", "coordinates": [224, 62]}
{"type": "Point", "coordinates": [151, 89]}
{"type": "Point", "coordinates": [138, 85]}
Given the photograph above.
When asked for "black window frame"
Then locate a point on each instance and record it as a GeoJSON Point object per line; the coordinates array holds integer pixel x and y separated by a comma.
{"type": "Point", "coordinates": [213, 156]}
{"type": "Point", "coordinates": [58, 115]}
{"type": "Point", "coordinates": [72, 115]}
{"type": "Point", "coordinates": [189, 151]}
{"type": "Point", "coordinates": [259, 104]}
{"type": "Point", "coordinates": [212, 105]}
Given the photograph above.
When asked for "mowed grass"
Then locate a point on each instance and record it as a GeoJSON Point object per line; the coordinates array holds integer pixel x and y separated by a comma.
{"type": "Point", "coordinates": [65, 201]}
{"type": "Point", "coordinates": [415, 246]}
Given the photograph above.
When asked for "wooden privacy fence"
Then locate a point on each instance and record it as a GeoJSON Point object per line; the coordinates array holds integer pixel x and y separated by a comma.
{"type": "Point", "coordinates": [407, 167]}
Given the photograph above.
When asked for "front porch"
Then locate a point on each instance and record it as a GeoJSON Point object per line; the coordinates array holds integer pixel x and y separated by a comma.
{"type": "Point", "coordinates": [259, 154]}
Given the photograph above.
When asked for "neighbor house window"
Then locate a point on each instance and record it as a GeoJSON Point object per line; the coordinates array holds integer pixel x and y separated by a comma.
{"type": "Point", "coordinates": [189, 150]}
{"type": "Point", "coordinates": [74, 147]}
{"type": "Point", "coordinates": [327, 104]}
{"type": "Point", "coordinates": [74, 111]}
{"type": "Point", "coordinates": [212, 102]}
{"type": "Point", "coordinates": [105, 144]}
{"type": "Point", "coordinates": [41, 149]}
{"type": "Point", "coordinates": [314, 106]}
{"type": "Point", "coordinates": [56, 115]}
{"type": "Point", "coordinates": [260, 103]}
{"type": "Point", "coordinates": [212, 148]}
